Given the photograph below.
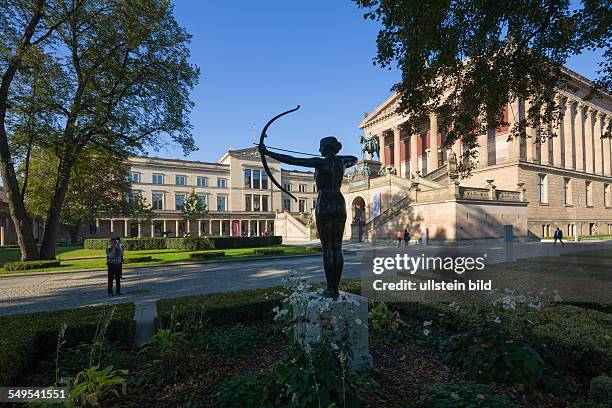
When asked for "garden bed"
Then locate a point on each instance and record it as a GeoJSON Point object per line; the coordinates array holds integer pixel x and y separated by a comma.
{"type": "Point", "coordinates": [223, 350]}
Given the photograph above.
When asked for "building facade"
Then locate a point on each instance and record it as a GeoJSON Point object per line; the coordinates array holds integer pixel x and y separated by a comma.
{"type": "Point", "coordinates": [565, 181]}
{"type": "Point", "coordinates": [240, 198]}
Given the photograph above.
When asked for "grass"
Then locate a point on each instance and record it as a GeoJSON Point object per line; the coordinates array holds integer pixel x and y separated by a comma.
{"type": "Point", "coordinates": [76, 257]}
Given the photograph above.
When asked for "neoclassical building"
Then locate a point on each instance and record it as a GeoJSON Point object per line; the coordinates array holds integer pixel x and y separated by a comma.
{"type": "Point", "coordinates": [240, 198]}
{"type": "Point", "coordinates": [563, 182]}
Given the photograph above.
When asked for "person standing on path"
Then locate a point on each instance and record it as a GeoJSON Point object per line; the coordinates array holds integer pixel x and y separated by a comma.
{"type": "Point", "coordinates": [114, 263]}
{"type": "Point", "coordinates": [558, 235]}
{"type": "Point", "coordinates": [399, 236]}
{"type": "Point", "coordinates": [406, 238]}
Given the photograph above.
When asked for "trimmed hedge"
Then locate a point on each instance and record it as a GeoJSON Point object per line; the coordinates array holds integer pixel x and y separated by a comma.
{"type": "Point", "coordinates": [137, 259]}
{"type": "Point", "coordinates": [26, 337]}
{"type": "Point", "coordinates": [229, 308]}
{"type": "Point", "coordinates": [206, 255]}
{"type": "Point", "coordinates": [269, 251]}
{"type": "Point", "coordinates": [27, 265]}
{"type": "Point", "coordinates": [187, 244]}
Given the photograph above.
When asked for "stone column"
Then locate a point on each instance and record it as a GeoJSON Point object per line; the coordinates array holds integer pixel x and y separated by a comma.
{"type": "Point", "coordinates": [112, 226]}
{"type": "Point", "coordinates": [381, 152]}
{"type": "Point", "coordinates": [530, 138]}
{"type": "Point", "coordinates": [514, 145]}
{"type": "Point", "coordinates": [544, 156]}
{"type": "Point", "coordinates": [588, 140]}
{"type": "Point", "coordinates": [578, 136]}
{"type": "Point", "coordinates": [152, 229]}
{"type": "Point", "coordinates": [165, 227]}
{"type": "Point", "coordinates": [126, 227]}
{"type": "Point", "coordinates": [607, 148]}
{"type": "Point", "coordinates": [598, 141]}
{"type": "Point", "coordinates": [97, 227]}
{"type": "Point", "coordinates": [396, 148]}
{"type": "Point", "coordinates": [199, 228]}
{"type": "Point", "coordinates": [432, 160]}
{"type": "Point", "coordinates": [568, 133]}
{"type": "Point", "coordinates": [414, 158]}
{"type": "Point", "coordinates": [557, 141]}
{"type": "Point", "coordinates": [176, 226]}
{"type": "Point", "coordinates": [2, 235]}
{"type": "Point", "coordinates": [483, 149]}
{"type": "Point", "coordinates": [139, 230]}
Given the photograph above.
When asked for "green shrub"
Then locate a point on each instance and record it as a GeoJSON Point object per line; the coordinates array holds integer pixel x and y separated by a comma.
{"type": "Point", "coordinates": [220, 308]}
{"type": "Point", "coordinates": [601, 390]}
{"type": "Point", "coordinates": [245, 391]}
{"type": "Point", "coordinates": [130, 244]}
{"type": "Point", "coordinates": [491, 353]}
{"type": "Point", "coordinates": [206, 255]}
{"type": "Point", "coordinates": [27, 265]}
{"type": "Point", "coordinates": [26, 337]}
{"type": "Point", "coordinates": [264, 252]}
{"type": "Point", "coordinates": [137, 259]}
{"type": "Point", "coordinates": [231, 342]}
{"type": "Point", "coordinates": [186, 244]}
{"type": "Point", "coordinates": [463, 395]}
{"type": "Point", "coordinates": [314, 248]}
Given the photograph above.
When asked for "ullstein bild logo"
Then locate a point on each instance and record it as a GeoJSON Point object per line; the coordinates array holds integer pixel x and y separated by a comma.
{"type": "Point", "coordinates": [412, 264]}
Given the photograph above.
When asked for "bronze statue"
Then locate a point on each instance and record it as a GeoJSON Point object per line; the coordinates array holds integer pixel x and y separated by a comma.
{"type": "Point", "coordinates": [330, 210]}
{"type": "Point", "coordinates": [369, 145]}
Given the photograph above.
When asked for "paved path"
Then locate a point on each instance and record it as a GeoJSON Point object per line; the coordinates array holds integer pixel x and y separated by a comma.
{"type": "Point", "coordinates": [144, 286]}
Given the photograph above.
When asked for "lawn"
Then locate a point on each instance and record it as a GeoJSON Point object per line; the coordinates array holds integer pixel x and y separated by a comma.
{"type": "Point", "coordinates": [76, 257]}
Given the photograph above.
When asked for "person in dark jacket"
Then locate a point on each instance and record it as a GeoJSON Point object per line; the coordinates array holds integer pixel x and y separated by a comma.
{"type": "Point", "coordinates": [558, 235]}
{"type": "Point", "coordinates": [114, 263]}
{"type": "Point", "coordinates": [406, 238]}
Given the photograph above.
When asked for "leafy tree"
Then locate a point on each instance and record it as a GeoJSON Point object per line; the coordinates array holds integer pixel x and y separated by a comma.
{"type": "Point", "coordinates": [99, 185]}
{"type": "Point", "coordinates": [112, 74]}
{"type": "Point", "coordinates": [193, 208]}
{"type": "Point", "coordinates": [466, 60]}
{"type": "Point", "coordinates": [140, 212]}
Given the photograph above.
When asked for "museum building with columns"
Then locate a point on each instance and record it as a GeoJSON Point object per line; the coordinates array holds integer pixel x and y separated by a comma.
{"type": "Point", "coordinates": [533, 187]}
{"type": "Point", "coordinates": [240, 198]}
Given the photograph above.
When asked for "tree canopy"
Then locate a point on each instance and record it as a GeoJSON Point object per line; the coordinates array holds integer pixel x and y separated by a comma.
{"type": "Point", "coordinates": [106, 74]}
{"type": "Point", "coordinates": [466, 60]}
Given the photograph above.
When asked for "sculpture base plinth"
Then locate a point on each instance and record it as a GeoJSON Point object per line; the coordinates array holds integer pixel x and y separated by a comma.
{"type": "Point", "coordinates": [350, 312]}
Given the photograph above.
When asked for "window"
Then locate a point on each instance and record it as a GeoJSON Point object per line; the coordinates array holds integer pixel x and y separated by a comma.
{"type": "Point", "coordinates": [181, 180]}
{"type": "Point", "coordinates": [179, 201]}
{"type": "Point", "coordinates": [302, 205]}
{"type": "Point", "coordinates": [158, 201]}
{"type": "Point", "coordinates": [314, 204]}
{"type": "Point", "coordinates": [203, 199]}
{"type": "Point", "coordinates": [589, 194]}
{"type": "Point", "coordinates": [221, 183]}
{"type": "Point", "coordinates": [202, 181]}
{"type": "Point", "coordinates": [302, 188]}
{"type": "Point", "coordinates": [542, 189]}
{"type": "Point", "coordinates": [286, 204]}
{"type": "Point", "coordinates": [134, 177]}
{"type": "Point", "coordinates": [567, 191]}
{"type": "Point", "coordinates": [606, 195]}
{"type": "Point", "coordinates": [264, 180]}
{"type": "Point", "coordinates": [132, 197]}
{"type": "Point", "coordinates": [256, 202]}
{"type": "Point", "coordinates": [158, 179]}
{"type": "Point", "coordinates": [221, 203]}
{"type": "Point", "coordinates": [314, 188]}
{"type": "Point", "coordinates": [264, 203]}
{"type": "Point", "coordinates": [247, 203]}
{"type": "Point", "coordinates": [256, 179]}
{"type": "Point", "coordinates": [287, 186]}
{"type": "Point", "coordinates": [247, 178]}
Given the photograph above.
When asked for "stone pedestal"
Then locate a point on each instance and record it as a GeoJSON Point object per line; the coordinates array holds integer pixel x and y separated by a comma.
{"type": "Point", "coordinates": [357, 232]}
{"type": "Point", "coordinates": [349, 314]}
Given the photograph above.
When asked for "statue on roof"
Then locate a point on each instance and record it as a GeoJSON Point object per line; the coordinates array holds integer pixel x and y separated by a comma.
{"type": "Point", "coordinates": [369, 145]}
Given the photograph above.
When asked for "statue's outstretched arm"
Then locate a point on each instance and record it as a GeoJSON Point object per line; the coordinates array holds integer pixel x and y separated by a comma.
{"type": "Point", "coordinates": [349, 161]}
{"type": "Point", "coordinates": [295, 161]}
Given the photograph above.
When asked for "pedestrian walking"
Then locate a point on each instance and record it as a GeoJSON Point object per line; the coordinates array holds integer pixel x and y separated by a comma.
{"type": "Point", "coordinates": [558, 235]}
{"type": "Point", "coordinates": [406, 238]}
{"type": "Point", "coordinates": [399, 236]}
{"type": "Point", "coordinates": [114, 263]}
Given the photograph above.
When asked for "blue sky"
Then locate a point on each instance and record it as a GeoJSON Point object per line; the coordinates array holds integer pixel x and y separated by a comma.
{"type": "Point", "coordinates": [258, 58]}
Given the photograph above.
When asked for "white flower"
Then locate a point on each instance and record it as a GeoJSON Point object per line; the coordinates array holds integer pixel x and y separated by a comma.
{"type": "Point", "coordinates": [427, 323]}
{"type": "Point", "coordinates": [342, 356]}
{"type": "Point", "coordinates": [276, 309]}
{"type": "Point", "coordinates": [497, 320]}
{"type": "Point", "coordinates": [426, 332]}
{"type": "Point", "coordinates": [307, 348]}
{"type": "Point", "coordinates": [358, 321]}
{"type": "Point", "coordinates": [334, 346]}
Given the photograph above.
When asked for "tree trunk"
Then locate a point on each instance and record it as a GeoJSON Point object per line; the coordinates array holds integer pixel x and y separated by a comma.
{"type": "Point", "coordinates": [47, 248]}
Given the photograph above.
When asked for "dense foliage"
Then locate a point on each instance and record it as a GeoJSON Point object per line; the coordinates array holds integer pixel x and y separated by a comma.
{"type": "Point", "coordinates": [187, 244]}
